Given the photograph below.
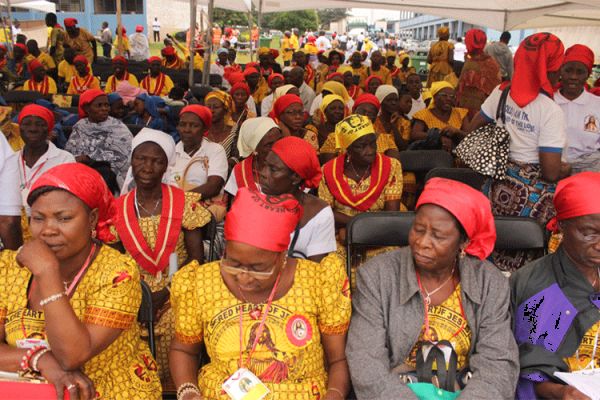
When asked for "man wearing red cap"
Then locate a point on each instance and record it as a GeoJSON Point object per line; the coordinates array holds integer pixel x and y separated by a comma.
{"type": "Point", "coordinates": [80, 39]}
{"type": "Point", "coordinates": [140, 48]}
{"type": "Point", "coordinates": [171, 59]}
{"type": "Point", "coordinates": [39, 81]}
{"type": "Point", "coordinates": [120, 74]}
{"type": "Point", "coordinates": [156, 83]}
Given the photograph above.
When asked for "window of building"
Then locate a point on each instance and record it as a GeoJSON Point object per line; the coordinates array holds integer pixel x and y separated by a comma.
{"type": "Point", "coordinates": [127, 6]}
{"type": "Point", "coordinates": [69, 5]}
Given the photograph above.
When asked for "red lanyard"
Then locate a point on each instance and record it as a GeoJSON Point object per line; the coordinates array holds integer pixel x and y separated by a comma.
{"type": "Point", "coordinates": [261, 327]}
{"type": "Point", "coordinates": [27, 183]}
{"type": "Point", "coordinates": [426, 334]}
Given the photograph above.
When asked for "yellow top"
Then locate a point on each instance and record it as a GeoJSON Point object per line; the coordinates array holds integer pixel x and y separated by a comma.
{"type": "Point", "coordinates": [585, 351]}
{"type": "Point", "coordinates": [261, 91]}
{"type": "Point", "coordinates": [384, 74]}
{"type": "Point", "coordinates": [67, 71]}
{"type": "Point", "coordinates": [362, 73]}
{"type": "Point", "coordinates": [289, 359]}
{"type": "Point", "coordinates": [403, 125]}
{"type": "Point", "coordinates": [198, 62]}
{"type": "Point", "coordinates": [56, 38]}
{"type": "Point", "coordinates": [81, 44]}
{"type": "Point", "coordinates": [445, 320]}
{"type": "Point", "coordinates": [311, 135]}
{"type": "Point", "coordinates": [95, 84]}
{"type": "Point", "coordinates": [124, 43]}
{"type": "Point", "coordinates": [30, 85]}
{"type": "Point", "coordinates": [392, 191]}
{"type": "Point", "coordinates": [46, 60]}
{"type": "Point", "coordinates": [287, 44]}
{"type": "Point", "coordinates": [109, 295]}
{"type": "Point", "coordinates": [12, 132]}
{"type": "Point", "coordinates": [112, 82]}
{"type": "Point", "coordinates": [431, 121]}
{"type": "Point", "coordinates": [151, 82]}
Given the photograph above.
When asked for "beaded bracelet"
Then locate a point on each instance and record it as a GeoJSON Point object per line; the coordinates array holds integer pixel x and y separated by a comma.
{"type": "Point", "coordinates": [36, 358]}
{"type": "Point", "coordinates": [51, 299]}
{"type": "Point", "coordinates": [187, 388]}
{"type": "Point", "coordinates": [27, 357]}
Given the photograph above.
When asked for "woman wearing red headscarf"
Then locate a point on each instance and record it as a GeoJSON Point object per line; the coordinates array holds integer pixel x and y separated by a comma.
{"type": "Point", "coordinates": [265, 314]}
{"type": "Point", "coordinates": [288, 112]}
{"type": "Point", "coordinates": [372, 83]}
{"type": "Point", "coordinates": [536, 126]}
{"type": "Point", "coordinates": [449, 303]}
{"type": "Point", "coordinates": [569, 279]}
{"type": "Point", "coordinates": [581, 108]}
{"type": "Point", "coordinates": [119, 64]}
{"type": "Point", "coordinates": [291, 167]}
{"type": "Point", "coordinates": [240, 95]}
{"type": "Point", "coordinates": [83, 79]}
{"type": "Point", "coordinates": [274, 81]}
{"type": "Point", "coordinates": [479, 76]}
{"type": "Point", "coordinates": [69, 303]}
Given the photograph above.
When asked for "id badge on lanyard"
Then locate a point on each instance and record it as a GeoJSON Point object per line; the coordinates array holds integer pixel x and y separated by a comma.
{"type": "Point", "coordinates": [244, 385]}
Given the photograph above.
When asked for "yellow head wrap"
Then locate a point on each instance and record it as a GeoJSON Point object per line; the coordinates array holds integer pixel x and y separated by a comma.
{"type": "Point", "coordinates": [403, 57]}
{"type": "Point", "coordinates": [390, 53]}
{"type": "Point", "coordinates": [435, 88]}
{"type": "Point", "coordinates": [342, 69]}
{"type": "Point", "coordinates": [327, 100]}
{"type": "Point", "coordinates": [263, 50]}
{"type": "Point", "coordinates": [222, 96]}
{"type": "Point", "coordinates": [337, 88]}
{"type": "Point", "coordinates": [352, 128]}
{"type": "Point", "coordinates": [443, 32]}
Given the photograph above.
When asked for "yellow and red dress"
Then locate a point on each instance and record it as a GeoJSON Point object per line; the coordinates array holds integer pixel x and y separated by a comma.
{"type": "Point", "coordinates": [113, 81]}
{"type": "Point", "coordinates": [109, 295]}
{"type": "Point", "coordinates": [178, 63]}
{"type": "Point", "coordinates": [289, 359]}
{"type": "Point", "coordinates": [79, 84]}
{"type": "Point", "coordinates": [159, 86]}
{"type": "Point", "coordinates": [151, 240]}
{"type": "Point", "coordinates": [354, 91]}
{"type": "Point", "coordinates": [456, 119]}
{"type": "Point", "coordinates": [46, 86]}
{"type": "Point", "coordinates": [245, 176]}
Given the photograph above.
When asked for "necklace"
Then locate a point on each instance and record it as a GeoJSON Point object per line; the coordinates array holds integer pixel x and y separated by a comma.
{"type": "Point", "coordinates": [137, 203]}
{"type": "Point", "coordinates": [428, 294]}
{"type": "Point", "coordinates": [362, 177]}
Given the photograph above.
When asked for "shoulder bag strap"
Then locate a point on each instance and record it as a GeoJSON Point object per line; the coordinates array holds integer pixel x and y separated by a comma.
{"type": "Point", "coordinates": [293, 242]}
{"type": "Point", "coordinates": [501, 110]}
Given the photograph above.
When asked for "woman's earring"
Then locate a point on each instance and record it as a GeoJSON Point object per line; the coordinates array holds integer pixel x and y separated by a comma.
{"type": "Point", "coordinates": [462, 253]}
{"type": "Point", "coordinates": [93, 234]}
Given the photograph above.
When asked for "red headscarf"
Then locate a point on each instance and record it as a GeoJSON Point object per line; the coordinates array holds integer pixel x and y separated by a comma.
{"type": "Point", "coordinates": [70, 22]}
{"type": "Point", "coordinates": [274, 53]}
{"type": "Point", "coordinates": [86, 98]}
{"type": "Point", "coordinates": [86, 184]}
{"type": "Point", "coordinates": [311, 39]}
{"type": "Point", "coordinates": [470, 207]}
{"type": "Point", "coordinates": [475, 40]}
{"type": "Point", "coordinates": [82, 59]}
{"type": "Point", "coordinates": [366, 98]}
{"type": "Point", "coordinates": [301, 158]}
{"type": "Point", "coordinates": [168, 51]}
{"type": "Point", "coordinates": [537, 54]}
{"type": "Point", "coordinates": [370, 78]}
{"type": "Point", "coordinates": [250, 71]}
{"type": "Point", "coordinates": [22, 47]}
{"type": "Point", "coordinates": [202, 112]}
{"type": "Point", "coordinates": [240, 85]}
{"type": "Point", "coordinates": [262, 221]}
{"type": "Point", "coordinates": [33, 65]}
{"type": "Point", "coordinates": [37, 111]}
{"type": "Point", "coordinates": [234, 77]}
{"type": "Point", "coordinates": [333, 75]}
{"type": "Point", "coordinates": [119, 59]}
{"type": "Point", "coordinates": [582, 54]}
{"type": "Point", "coordinates": [153, 59]}
{"type": "Point", "coordinates": [569, 200]}
{"type": "Point", "coordinates": [282, 104]}
{"type": "Point", "coordinates": [139, 28]}
{"type": "Point", "coordinates": [272, 77]}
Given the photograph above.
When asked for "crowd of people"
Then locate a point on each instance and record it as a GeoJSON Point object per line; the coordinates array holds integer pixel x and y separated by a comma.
{"type": "Point", "coordinates": [278, 159]}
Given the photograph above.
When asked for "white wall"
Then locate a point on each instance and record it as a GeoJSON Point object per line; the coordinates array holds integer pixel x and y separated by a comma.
{"type": "Point", "coordinates": [173, 15]}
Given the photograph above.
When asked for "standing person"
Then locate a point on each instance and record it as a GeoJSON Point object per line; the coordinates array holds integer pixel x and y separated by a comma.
{"type": "Point", "coordinates": [322, 42]}
{"type": "Point", "coordinates": [254, 35]}
{"type": "Point", "coordinates": [441, 57]}
{"type": "Point", "coordinates": [479, 76]}
{"type": "Point", "coordinates": [306, 93]}
{"type": "Point", "coordinates": [11, 236]}
{"type": "Point", "coordinates": [460, 50]}
{"type": "Point", "coordinates": [56, 39]}
{"type": "Point", "coordinates": [288, 48]}
{"type": "Point", "coordinates": [156, 30]}
{"type": "Point", "coordinates": [140, 48]}
{"type": "Point", "coordinates": [502, 54]}
{"type": "Point", "coordinates": [82, 41]}
{"type": "Point", "coordinates": [44, 58]}
{"type": "Point", "coordinates": [106, 40]}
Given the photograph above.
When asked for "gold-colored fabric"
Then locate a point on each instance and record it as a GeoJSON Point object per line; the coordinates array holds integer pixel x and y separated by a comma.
{"type": "Point", "coordinates": [81, 44]}
{"type": "Point", "coordinates": [585, 352]}
{"type": "Point", "coordinates": [290, 358]}
{"type": "Point", "coordinates": [111, 85]}
{"type": "Point", "coordinates": [431, 121]}
{"type": "Point", "coordinates": [384, 74]}
{"type": "Point", "coordinates": [311, 135]}
{"type": "Point", "coordinates": [440, 66]}
{"type": "Point", "coordinates": [11, 130]}
{"type": "Point", "coordinates": [46, 60]}
{"type": "Point", "coordinates": [109, 295]}
{"type": "Point", "coordinates": [444, 321]}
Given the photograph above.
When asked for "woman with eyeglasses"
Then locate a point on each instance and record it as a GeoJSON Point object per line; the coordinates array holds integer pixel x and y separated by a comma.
{"type": "Point", "coordinates": [555, 299]}
{"type": "Point", "coordinates": [263, 316]}
{"type": "Point", "coordinates": [288, 112]}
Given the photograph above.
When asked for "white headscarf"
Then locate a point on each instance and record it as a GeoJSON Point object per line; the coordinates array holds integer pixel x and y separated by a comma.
{"type": "Point", "coordinates": [384, 91]}
{"type": "Point", "coordinates": [251, 133]}
{"type": "Point", "coordinates": [281, 90]}
{"type": "Point", "coordinates": [166, 143]}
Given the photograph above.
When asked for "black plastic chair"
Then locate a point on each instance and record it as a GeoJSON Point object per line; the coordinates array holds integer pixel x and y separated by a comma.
{"type": "Point", "coordinates": [464, 175]}
{"type": "Point", "coordinates": [425, 160]}
{"type": "Point", "coordinates": [209, 232]}
{"type": "Point", "coordinates": [146, 316]}
{"type": "Point", "coordinates": [520, 233]}
{"type": "Point", "coordinates": [22, 96]}
{"type": "Point", "coordinates": [376, 229]}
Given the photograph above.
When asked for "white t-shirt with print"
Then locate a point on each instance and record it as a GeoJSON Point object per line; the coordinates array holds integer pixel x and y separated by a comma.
{"type": "Point", "coordinates": [537, 127]}
{"type": "Point", "coordinates": [583, 124]}
{"type": "Point", "coordinates": [317, 236]}
{"type": "Point", "coordinates": [209, 160]}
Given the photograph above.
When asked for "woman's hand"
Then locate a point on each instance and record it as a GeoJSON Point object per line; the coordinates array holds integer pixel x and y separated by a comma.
{"type": "Point", "coordinates": [37, 257]}
{"type": "Point", "coordinates": [571, 393]}
{"type": "Point", "coordinates": [192, 396]}
{"type": "Point", "coordinates": [78, 384]}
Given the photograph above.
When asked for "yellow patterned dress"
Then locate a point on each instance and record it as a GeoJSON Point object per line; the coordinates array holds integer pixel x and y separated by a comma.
{"type": "Point", "coordinates": [447, 322]}
{"type": "Point", "coordinates": [194, 216]}
{"type": "Point", "coordinates": [108, 295]}
{"type": "Point", "coordinates": [582, 359]}
{"type": "Point", "coordinates": [290, 357]}
{"type": "Point", "coordinates": [431, 121]}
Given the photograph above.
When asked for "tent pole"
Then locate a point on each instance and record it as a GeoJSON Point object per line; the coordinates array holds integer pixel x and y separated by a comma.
{"type": "Point", "coordinates": [250, 23]}
{"type": "Point", "coordinates": [208, 52]}
{"type": "Point", "coordinates": [259, 20]}
{"type": "Point", "coordinates": [119, 29]}
{"type": "Point", "coordinates": [10, 40]}
{"type": "Point", "coordinates": [192, 45]}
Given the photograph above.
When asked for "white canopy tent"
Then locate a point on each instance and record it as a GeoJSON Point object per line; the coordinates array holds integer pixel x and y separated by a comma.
{"type": "Point", "coordinates": [38, 5]}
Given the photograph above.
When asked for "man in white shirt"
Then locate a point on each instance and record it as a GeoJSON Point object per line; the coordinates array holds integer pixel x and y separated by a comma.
{"type": "Point", "coordinates": [106, 40]}
{"type": "Point", "coordinates": [139, 46]}
{"type": "Point", "coordinates": [156, 29]}
{"type": "Point", "coordinates": [10, 201]}
{"type": "Point", "coordinates": [460, 49]}
{"type": "Point", "coordinates": [306, 93]}
{"type": "Point", "coordinates": [359, 41]}
{"type": "Point", "coordinates": [322, 42]}
{"type": "Point", "coordinates": [343, 38]}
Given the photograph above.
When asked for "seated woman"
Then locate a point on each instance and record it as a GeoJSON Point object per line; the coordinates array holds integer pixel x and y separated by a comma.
{"type": "Point", "coordinates": [68, 303]}
{"type": "Point", "coordinates": [331, 86]}
{"type": "Point", "coordinates": [156, 83]}
{"type": "Point", "coordinates": [441, 114]}
{"type": "Point", "coordinates": [142, 212]}
{"type": "Point", "coordinates": [332, 111]}
{"type": "Point", "coordinates": [146, 112]}
{"type": "Point", "coordinates": [360, 179]}
{"type": "Point", "coordinates": [220, 130]}
{"type": "Point", "coordinates": [372, 83]}
{"type": "Point", "coordinates": [392, 119]}
{"type": "Point", "coordinates": [274, 81]}
{"type": "Point", "coordinates": [119, 64]}
{"type": "Point", "coordinates": [257, 136]}
{"type": "Point", "coordinates": [288, 112]}
{"type": "Point", "coordinates": [118, 109]}
{"type": "Point", "coordinates": [437, 295]}
{"type": "Point", "coordinates": [240, 95]}
{"type": "Point", "coordinates": [297, 349]}
{"type": "Point", "coordinates": [99, 138]}
{"type": "Point", "coordinates": [257, 85]}
{"type": "Point", "coordinates": [353, 89]}
{"type": "Point", "coordinates": [555, 298]}
{"type": "Point", "coordinates": [200, 165]}
{"type": "Point", "coordinates": [84, 79]}
{"type": "Point", "coordinates": [292, 167]}
{"type": "Point", "coordinates": [39, 80]}
{"type": "Point", "coordinates": [581, 110]}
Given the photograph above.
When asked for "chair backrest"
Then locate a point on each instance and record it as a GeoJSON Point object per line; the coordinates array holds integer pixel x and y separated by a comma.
{"type": "Point", "coordinates": [464, 175]}
{"type": "Point", "coordinates": [22, 96]}
{"type": "Point", "coordinates": [209, 232]}
{"type": "Point", "coordinates": [425, 160]}
{"type": "Point", "coordinates": [519, 233]}
{"type": "Point", "coordinates": [146, 315]}
{"type": "Point", "coordinates": [134, 129]}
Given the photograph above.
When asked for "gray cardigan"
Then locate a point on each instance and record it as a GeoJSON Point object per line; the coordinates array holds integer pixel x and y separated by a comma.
{"type": "Point", "coordinates": [387, 319]}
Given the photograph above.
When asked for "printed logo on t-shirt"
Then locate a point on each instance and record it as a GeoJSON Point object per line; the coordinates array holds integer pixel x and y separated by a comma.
{"type": "Point", "coordinates": [519, 119]}
{"type": "Point", "coordinates": [590, 123]}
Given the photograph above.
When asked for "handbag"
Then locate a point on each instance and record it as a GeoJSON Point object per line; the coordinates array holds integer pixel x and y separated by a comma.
{"type": "Point", "coordinates": [485, 150]}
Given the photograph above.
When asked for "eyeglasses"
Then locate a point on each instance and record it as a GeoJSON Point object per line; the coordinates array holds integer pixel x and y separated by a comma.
{"type": "Point", "coordinates": [234, 268]}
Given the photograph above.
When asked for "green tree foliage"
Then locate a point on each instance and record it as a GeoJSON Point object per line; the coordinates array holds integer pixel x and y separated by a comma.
{"type": "Point", "coordinates": [303, 20]}
{"type": "Point", "coordinates": [329, 15]}
{"type": "Point", "coordinates": [229, 18]}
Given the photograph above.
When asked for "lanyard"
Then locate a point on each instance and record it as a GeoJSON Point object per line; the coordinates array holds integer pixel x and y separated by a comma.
{"type": "Point", "coordinates": [259, 331]}
{"type": "Point", "coordinates": [27, 183]}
